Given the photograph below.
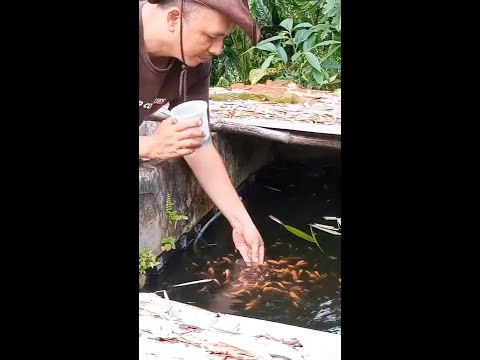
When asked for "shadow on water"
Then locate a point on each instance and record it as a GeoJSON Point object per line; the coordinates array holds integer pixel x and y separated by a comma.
{"type": "Point", "coordinates": [300, 285]}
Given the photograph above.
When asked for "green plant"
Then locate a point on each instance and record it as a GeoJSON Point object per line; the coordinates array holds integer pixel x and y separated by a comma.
{"type": "Point", "coordinates": [320, 70]}
{"type": "Point", "coordinates": [168, 243]}
{"type": "Point", "coordinates": [315, 9]}
{"type": "Point", "coordinates": [311, 238]}
{"type": "Point", "coordinates": [173, 216]}
{"type": "Point", "coordinates": [146, 260]}
{"type": "Point", "coordinates": [293, 54]}
{"type": "Point", "coordinates": [297, 232]}
{"type": "Point", "coordinates": [233, 64]}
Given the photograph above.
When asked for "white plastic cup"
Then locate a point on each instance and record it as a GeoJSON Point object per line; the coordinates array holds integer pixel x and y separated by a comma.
{"type": "Point", "coordinates": [193, 109]}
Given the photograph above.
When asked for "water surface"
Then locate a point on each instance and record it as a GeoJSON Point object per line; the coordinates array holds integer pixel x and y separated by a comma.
{"type": "Point", "coordinates": [301, 285]}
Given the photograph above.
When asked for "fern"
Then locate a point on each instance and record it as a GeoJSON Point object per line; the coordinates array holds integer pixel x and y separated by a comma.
{"type": "Point", "coordinates": [177, 217]}
{"type": "Point", "coordinates": [173, 215]}
{"type": "Point", "coordinates": [169, 204]}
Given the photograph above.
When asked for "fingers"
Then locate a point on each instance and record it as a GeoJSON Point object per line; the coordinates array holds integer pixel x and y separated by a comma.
{"type": "Point", "coordinates": [245, 252]}
{"type": "Point", "coordinates": [241, 246]}
{"type": "Point", "coordinates": [258, 250]}
{"type": "Point", "coordinates": [261, 252]}
{"type": "Point", "coordinates": [191, 134]}
{"type": "Point", "coordinates": [187, 124]}
{"type": "Point", "coordinates": [255, 250]}
{"type": "Point", "coordinates": [189, 144]}
{"type": "Point", "coordinates": [184, 152]}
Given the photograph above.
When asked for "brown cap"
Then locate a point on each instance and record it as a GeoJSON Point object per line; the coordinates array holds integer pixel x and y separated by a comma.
{"type": "Point", "coordinates": [236, 10]}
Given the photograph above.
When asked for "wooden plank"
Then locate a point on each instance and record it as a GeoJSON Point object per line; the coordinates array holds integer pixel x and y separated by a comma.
{"type": "Point", "coordinates": [169, 329]}
{"type": "Point", "coordinates": [334, 129]}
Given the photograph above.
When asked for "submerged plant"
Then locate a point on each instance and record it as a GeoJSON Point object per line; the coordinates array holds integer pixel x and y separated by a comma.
{"type": "Point", "coordinates": [297, 232]}
{"type": "Point", "coordinates": [311, 238]}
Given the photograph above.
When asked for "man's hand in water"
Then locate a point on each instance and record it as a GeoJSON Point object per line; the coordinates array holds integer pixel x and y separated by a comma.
{"type": "Point", "coordinates": [249, 243]}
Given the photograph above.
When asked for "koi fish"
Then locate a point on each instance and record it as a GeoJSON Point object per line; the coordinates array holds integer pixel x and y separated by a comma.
{"type": "Point", "coordinates": [252, 303]}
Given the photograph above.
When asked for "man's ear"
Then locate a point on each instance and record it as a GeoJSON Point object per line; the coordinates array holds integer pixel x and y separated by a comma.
{"type": "Point", "coordinates": [173, 17]}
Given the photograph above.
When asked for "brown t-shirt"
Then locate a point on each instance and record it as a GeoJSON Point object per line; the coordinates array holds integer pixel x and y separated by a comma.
{"type": "Point", "coordinates": [160, 86]}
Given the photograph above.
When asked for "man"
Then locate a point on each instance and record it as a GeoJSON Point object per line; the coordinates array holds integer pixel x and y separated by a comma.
{"type": "Point", "coordinates": [177, 41]}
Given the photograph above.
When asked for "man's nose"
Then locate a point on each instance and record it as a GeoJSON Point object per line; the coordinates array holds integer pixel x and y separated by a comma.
{"type": "Point", "coordinates": [216, 48]}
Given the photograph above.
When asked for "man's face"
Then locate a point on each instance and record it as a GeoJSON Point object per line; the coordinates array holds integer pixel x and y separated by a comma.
{"type": "Point", "coordinates": [203, 35]}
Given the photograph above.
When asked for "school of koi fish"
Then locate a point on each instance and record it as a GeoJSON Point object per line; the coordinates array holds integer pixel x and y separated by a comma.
{"type": "Point", "coordinates": [288, 277]}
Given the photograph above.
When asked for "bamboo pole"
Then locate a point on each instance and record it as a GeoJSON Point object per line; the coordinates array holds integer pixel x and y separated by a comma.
{"type": "Point", "coordinates": [287, 137]}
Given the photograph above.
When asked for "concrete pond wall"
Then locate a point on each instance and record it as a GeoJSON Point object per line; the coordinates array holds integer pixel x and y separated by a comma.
{"type": "Point", "coordinates": [242, 155]}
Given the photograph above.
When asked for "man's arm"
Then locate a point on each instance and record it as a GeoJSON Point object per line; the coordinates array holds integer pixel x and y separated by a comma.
{"type": "Point", "coordinates": [210, 171]}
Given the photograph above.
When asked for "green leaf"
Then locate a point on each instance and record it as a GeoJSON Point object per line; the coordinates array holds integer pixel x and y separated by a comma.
{"type": "Point", "coordinates": [296, 56]}
{"type": "Point", "coordinates": [271, 39]}
{"type": "Point", "coordinates": [324, 43]}
{"type": "Point", "coordinates": [299, 233]}
{"type": "Point", "coordinates": [287, 24]}
{"type": "Point", "coordinates": [267, 47]}
{"type": "Point", "coordinates": [173, 246]}
{"type": "Point", "coordinates": [319, 27]}
{"type": "Point", "coordinates": [267, 61]}
{"type": "Point", "coordinates": [302, 35]}
{"type": "Point", "coordinates": [338, 26]}
{"type": "Point", "coordinates": [302, 25]}
{"type": "Point", "coordinates": [264, 15]}
{"type": "Point", "coordinates": [163, 247]}
{"type": "Point", "coordinates": [222, 82]}
{"type": "Point", "coordinates": [325, 73]}
{"type": "Point", "coordinates": [325, 33]}
{"type": "Point", "coordinates": [313, 60]}
{"type": "Point", "coordinates": [331, 8]}
{"type": "Point", "coordinates": [318, 76]}
{"type": "Point", "coordinates": [282, 54]}
{"type": "Point", "coordinates": [256, 75]}
{"type": "Point", "coordinates": [245, 52]}
{"type": "Point", "coordinates": [168, 247]}
{"type": "Point", "coordinates": [309, 42]}
{"type": "Point", "coordinates": [330, 64]}
{"type": "Point", "coordinates": [329, 5]}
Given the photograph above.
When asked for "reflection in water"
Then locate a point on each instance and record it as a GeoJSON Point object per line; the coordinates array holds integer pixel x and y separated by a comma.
{"type": "Point", "coordinates": [299, 284]}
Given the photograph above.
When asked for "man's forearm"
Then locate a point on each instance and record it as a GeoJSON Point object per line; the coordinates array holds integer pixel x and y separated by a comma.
{"type": "Point", "coordinates": [210, 171]}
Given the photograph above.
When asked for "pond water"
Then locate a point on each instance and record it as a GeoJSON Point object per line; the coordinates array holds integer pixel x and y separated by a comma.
{"type": "Point", "coordinates": [300, 284]}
